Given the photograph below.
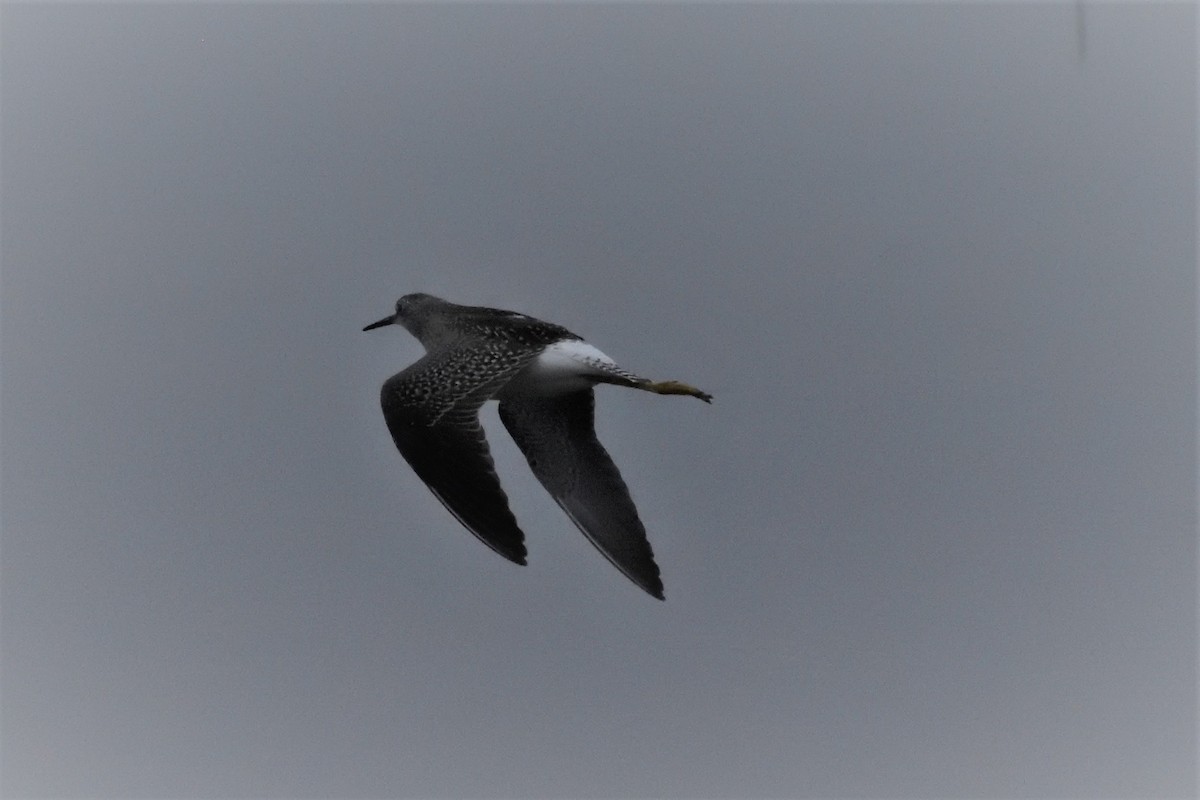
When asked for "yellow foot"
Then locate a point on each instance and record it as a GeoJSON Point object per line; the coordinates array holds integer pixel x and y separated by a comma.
{"type": "Point", "coordinates": [675, 387]}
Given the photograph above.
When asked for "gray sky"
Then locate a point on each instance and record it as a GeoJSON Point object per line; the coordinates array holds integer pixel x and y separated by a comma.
{"type": "Point", "coordinates": [936, 537]}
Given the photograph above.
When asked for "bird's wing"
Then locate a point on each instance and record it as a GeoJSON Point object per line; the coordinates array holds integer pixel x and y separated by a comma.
{"type": "Point", "coordinates": [432, 412]}
{"type": "Point", "coordinates": [558, 437]}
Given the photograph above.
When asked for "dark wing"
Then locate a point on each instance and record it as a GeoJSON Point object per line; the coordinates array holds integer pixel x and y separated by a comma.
{"type": "Point", "coordinates": [432, 412]}
{"type": "Point", "coordinates": [558, 437]}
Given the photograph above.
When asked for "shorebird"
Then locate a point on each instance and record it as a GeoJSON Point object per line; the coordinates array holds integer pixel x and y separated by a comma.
{"type": "Point", "coordinates": [543, 375]}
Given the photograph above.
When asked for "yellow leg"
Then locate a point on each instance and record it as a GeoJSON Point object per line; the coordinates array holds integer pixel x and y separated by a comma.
{"type": "Point", "coordinates": [675, 387]}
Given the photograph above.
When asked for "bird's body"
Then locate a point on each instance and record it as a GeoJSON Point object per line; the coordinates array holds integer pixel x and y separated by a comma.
{"type": "Point", "coordinates": [543, 375]}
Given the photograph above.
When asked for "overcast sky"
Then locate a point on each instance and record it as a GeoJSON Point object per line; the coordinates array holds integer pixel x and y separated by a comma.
{"type": "Point", "coordinates": [936, 536]}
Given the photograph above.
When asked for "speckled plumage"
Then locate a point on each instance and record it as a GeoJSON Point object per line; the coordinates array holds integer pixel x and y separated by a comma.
{"type": "Point", "coordinates": [543, 376]}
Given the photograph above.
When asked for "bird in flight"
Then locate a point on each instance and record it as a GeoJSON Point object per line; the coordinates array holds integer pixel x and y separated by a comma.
{"type": "Point", "coordinates": [543, 375]}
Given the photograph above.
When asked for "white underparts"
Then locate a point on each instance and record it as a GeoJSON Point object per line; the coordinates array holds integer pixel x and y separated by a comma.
{"type": "Point", "coordinates": [567, 366]}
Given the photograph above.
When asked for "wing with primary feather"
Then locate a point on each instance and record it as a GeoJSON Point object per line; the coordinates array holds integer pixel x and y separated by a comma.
{"type": "Point", "coordinates": [432, 412]}
{"type": "Point", "coordinates": [558, 437]}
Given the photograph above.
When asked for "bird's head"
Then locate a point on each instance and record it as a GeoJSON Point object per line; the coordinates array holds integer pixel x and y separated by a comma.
{"type": "Point", "coordinates": [413, 312]}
